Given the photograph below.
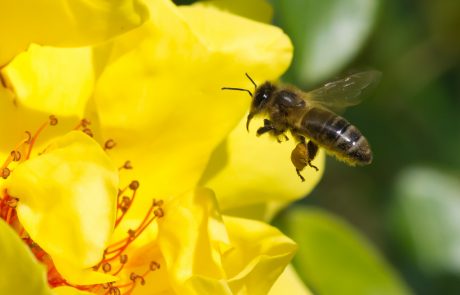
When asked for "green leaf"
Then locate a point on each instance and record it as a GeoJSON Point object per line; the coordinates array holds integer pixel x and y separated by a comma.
{"type": "Point", "coordinates": [334, 259]}
{"type": "Point", "coordinates": [426, 219]}
{"type": "Point", "coordinates": [20, 272]}
{"type": "Point", "coordinates": [326, 34]}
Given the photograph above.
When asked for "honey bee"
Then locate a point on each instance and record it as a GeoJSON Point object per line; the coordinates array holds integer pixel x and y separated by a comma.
{"type": "Point", "coordinates": [307, 116]}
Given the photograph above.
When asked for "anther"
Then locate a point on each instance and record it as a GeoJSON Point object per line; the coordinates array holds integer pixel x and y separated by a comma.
{"type": "Point", "coordinates": [157, 203]}
{"type": "Point", "coordinates": [114, 291]}
{"type": "Point", "coordinates": [134, 185]}
{"type": "Point", "coordinates": [123, 258]}
{"type": "Point", "coordinates": [159, 212]}
{"type": "Point", "coordinates": [109, 144]}
{"type": "Point", "coordinates": [127, 165]}
{"type": "Point", "coordinates": [29, 137]}
{"type": "Point", "coordinates": [53, 120]}
{"type": "Point", "coordinates": [12, 202]}
{"type": "Point", "coordinates": [5, 172]}
{"type": "Point", "coordinates": [85, 123]}
{"type": "Point", "coordinates": [131, 233]}
{"type": "Point", "coordinates": [88, 131]}
{"type": "Point", "coordinates": [106, 267]}
{"type": "Point", "coordinates": [134, 277]}
{"type": "Point", "coordinates": [15, 155]}
{"type": "Point", "coordinates": [125, 203]}
{"type": "Point", "coordinates": [154, 265]}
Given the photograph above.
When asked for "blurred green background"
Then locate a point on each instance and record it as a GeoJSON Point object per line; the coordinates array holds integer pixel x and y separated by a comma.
{"type": "Point", "coordinates": [392, 227]}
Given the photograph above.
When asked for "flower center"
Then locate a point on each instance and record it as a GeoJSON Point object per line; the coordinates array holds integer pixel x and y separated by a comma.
{"type": "Point", "coordinates": [114, 257]}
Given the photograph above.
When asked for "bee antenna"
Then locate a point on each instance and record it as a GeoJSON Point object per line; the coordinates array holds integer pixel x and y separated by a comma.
{"type": "Point", "coordinates": [250, 79]}
{"type": "Point", "coordinates": [238, 89]}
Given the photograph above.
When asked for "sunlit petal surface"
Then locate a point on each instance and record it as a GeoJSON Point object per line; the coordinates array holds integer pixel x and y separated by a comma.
{"type": "Point", "coordinates": [213, 256]}
{"type": "Point", "coordinates": [68, 23]}
{"type": "Point", "coordinates": [259, 255]}
{"type": "Point", "coordinates": [41, 81]}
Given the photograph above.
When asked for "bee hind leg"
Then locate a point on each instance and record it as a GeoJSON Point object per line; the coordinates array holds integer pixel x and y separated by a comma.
{"type": "Point", "coordinates": [300, 175]}
{"type": "Point", "coordinates": [302, 155]}
{"type": "Point", "coordinates": [312, 149]}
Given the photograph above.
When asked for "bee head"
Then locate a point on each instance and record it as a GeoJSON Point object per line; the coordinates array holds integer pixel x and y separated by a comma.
{"type": "Point", "coordinates": [259, 101]}
{"type": "Point", "coordinates": [259, 98]}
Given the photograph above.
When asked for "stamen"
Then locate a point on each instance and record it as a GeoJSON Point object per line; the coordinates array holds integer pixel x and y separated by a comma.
{"type": "Point", "coordinates": [137, 278]}
{"type": "Point", "coordinates": [109, 144]}
{"type": "Point", "coordinates": [106, 267]}
{"type": "Point", "coordinates": [113, 291]}
{"type": "Point", "coordinates": [5, 173]}
{"type": "Point", "coordinates": [16, 155]}
{"type": "Point", "coordinates": [127, 165]}
{"type": "Point", "coordinates": [159, 212]}
{"type": "Point", "coordinates": [154, 265]}
{"type": "Point", "coordinates": [117, 249]}
{"type": "Point", "coordinates": [134, 185]}
{"type": "Point", "coordinates": [52, 121]}
{"type": "Point", "coordinates": [88, 131]}
{"type": "Point", "coordinates": [125, 203]}
{"type": "Point", "coordinates": [123, 260]}
{"type": "Point", "coordinates": [84, 123]}
{"type": "Point", "coordinates": [12, 202]}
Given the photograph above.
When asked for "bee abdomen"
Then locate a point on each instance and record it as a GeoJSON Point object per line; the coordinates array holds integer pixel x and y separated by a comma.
{"type": "Point", "coordinates": [336, 135]}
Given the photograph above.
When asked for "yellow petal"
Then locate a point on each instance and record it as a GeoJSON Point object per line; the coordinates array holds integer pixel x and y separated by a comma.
{"type": "Point", "coordinates": [52, 80]}
{"type": "Point", "coordinates": [64, 23]}
{"type": "Point", "coordinates": [189, 237]}
{"type": "Point", "coordinates": [260, 254]}
{"type": "Point", "coordinates": [204, 255]}
{"type": "Point", "coordinates": [20, 272]}
{"type": "Point", "coordinates": [67, 199]}
{"type": "Point", "coordinates": [162, 101]}
{"type": "Point", "coordinates": [247, 170]}
{"type": "Point", "coordinates": [289, 280]}
{"type": "Point", "coordinates": [75, 274]}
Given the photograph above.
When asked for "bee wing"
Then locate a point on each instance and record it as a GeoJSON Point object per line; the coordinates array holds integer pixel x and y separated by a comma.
{"type": "Point", "coordinates": [344, 92]}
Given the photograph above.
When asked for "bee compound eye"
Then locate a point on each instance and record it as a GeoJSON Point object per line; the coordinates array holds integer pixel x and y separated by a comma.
{"type": "Point", "coordinates": [263, 94]}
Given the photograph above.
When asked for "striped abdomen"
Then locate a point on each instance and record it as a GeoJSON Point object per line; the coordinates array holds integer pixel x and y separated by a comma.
{"type": "Point", "coordinates": [336, 135]}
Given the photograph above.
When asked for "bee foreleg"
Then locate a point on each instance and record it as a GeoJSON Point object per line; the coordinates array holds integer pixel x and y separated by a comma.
{"type": "Point", "coordinates": [264, 129]}
{"type": "Point", "coordinates": [268, 127]}
{"type": "Point", "coordinates": [302, 155]}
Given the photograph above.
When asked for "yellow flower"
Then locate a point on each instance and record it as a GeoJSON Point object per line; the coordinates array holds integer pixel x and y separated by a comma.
{"type": "Point", "coordinates": [61, 202]}
{"type": "Point", "coordinates": [156, 92]}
